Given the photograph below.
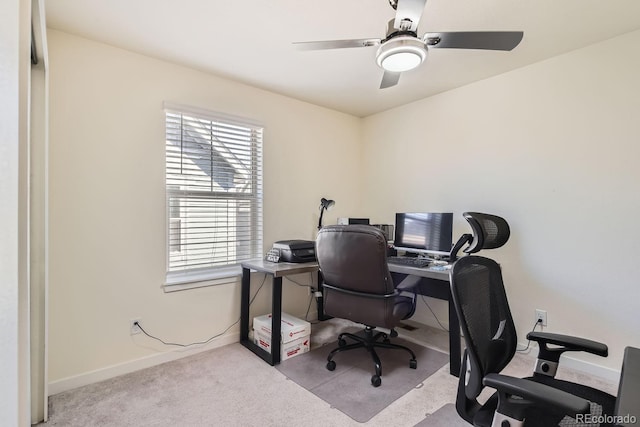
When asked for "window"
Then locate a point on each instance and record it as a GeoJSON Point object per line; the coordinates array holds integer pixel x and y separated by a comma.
{"type": "Point", "coordinates": [214, 194]}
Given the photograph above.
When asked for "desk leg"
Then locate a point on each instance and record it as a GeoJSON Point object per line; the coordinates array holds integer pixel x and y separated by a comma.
{"type": "Point", "coordinates": [454, 340]}
{"type": "Point", "coordinates": [274, 357]}
{"type": "Point", "coordinates": [244, 305]}
{"type": "Point", "coordinates": [276, 320]}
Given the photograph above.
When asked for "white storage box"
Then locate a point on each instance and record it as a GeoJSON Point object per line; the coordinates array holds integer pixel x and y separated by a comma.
{"type": "Point", "coordinates": [288, 349]}
{"type": "Point", "coordinates": [292, 328]}
{"type": "Point", "coordinates": [295, 335]}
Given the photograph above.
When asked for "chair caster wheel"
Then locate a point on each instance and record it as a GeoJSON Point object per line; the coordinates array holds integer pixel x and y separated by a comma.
{"type": "Point", "coordinates": [413, 364]}
{"type": "Point", "coordinates": [331, 365]}
{"type": "Point", "coordinates": [342, 342]}
{"type": "Point", "coordinates": [376, 381]}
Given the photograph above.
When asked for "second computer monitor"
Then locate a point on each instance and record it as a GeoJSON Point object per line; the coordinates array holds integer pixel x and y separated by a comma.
{"type": "Point", "coordinates": [424, 232]}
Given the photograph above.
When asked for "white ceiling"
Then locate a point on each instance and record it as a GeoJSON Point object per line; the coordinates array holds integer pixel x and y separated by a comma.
{"type": "Point", "coordinates": [251, 40]}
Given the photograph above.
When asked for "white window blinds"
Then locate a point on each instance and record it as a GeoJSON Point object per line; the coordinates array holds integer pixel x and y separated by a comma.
{"type": "Point", "coordinates": [214, 194]}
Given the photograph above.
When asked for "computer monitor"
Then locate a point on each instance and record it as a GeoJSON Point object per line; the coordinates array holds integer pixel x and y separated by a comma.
{"type": "Point", "coordinates": [424, 233]}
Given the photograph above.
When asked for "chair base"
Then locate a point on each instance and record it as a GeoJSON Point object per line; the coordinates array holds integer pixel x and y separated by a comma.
{"type": "Point", "coordinates": [369, 342]}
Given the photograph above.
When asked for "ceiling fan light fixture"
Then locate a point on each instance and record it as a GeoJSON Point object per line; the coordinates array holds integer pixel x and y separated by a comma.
{"type": "Point", "coordinates": [401, 54]}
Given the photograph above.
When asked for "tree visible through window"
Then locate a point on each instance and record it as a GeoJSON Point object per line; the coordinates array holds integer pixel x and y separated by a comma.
{"type": "Point", "coordinates": [214, 192]}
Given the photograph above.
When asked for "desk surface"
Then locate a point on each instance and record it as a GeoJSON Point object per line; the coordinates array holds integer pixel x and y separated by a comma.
{"type": "Point", "coordinates": [433, 272]}
{"type": "Point", "coordinates": [280, 269]}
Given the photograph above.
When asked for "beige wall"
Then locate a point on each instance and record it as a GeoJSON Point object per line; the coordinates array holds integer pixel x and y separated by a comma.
{"type": "Point", "coordinates": [107, 203]}
{"type": "Point", "coordinates": [553, 148]}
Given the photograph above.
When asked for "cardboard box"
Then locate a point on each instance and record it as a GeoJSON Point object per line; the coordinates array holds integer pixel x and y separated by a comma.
{"type": "Point", "coordinates": [288, 349]}
{"type": "Point", "coordinates": [292, 328]}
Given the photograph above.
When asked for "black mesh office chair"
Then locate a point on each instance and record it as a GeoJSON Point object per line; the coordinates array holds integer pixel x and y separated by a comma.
{"type": "Point", "coordinates": [488, 232]}
{"type": "Point", "coordinates": [490, 336]}
{"type": "Point", "coordinates": [358, 287]}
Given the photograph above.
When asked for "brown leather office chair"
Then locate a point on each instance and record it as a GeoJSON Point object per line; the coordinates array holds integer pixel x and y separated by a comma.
{"type": "Point", "coordinates": [358, 287]}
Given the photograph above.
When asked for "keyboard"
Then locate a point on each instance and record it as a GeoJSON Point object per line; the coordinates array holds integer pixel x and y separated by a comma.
{"type": "Point", "coordinates": [409, 261]}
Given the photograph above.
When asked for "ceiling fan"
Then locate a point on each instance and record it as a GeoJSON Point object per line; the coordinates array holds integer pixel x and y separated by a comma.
{"type": "Point", "coordinates": [402, 49]}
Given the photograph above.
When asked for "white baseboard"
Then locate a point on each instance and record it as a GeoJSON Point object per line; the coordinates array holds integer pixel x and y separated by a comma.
{"type": "Point", "coordinates": [593, 369]}
{"type": "Point", "coordinates": [112, 371]}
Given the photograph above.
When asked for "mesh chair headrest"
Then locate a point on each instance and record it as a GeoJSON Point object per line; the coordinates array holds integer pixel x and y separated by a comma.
{"type": "Point", "coordinates": [489, 231]}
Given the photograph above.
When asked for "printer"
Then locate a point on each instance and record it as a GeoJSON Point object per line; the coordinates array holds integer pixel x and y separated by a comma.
{"type": "Point", "coordinates": [296, 250]}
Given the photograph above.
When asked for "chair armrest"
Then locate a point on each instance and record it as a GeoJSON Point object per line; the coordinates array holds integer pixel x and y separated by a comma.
{"type": "Point", "coordinates": [530, 393]}
{"type": "Point", "coordinates": [566, 343]}
{"type": "Point", "coordinates": [408, 284]}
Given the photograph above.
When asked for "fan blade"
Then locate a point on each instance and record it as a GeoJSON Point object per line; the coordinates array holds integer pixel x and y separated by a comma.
{"type": "Point", "coordinates": [389, 79]}
{"type": "Point", "coordinates": [491, 40]}
{"type": "Point", "coordinates": [411, 10]}
{"type": "Point", "coordinates": [336, 44]}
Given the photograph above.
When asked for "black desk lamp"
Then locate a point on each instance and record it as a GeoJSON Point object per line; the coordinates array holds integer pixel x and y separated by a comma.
{"type": "Point", "coordinates": [325, 204]}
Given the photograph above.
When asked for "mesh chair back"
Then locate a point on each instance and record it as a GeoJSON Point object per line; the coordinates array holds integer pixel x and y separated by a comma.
{"type": "Point", "coordinates": [354, 258]}
{"type": "Point", "coordinates": [489, 231]}
{"type": "Point", "coordinates": [483, 310]}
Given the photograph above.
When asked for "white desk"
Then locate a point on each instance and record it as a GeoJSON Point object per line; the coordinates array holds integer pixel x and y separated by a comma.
{"type": "Point", "coordinates": [277, 271]}
{"type": "Point", "coordinates": [434, 283]}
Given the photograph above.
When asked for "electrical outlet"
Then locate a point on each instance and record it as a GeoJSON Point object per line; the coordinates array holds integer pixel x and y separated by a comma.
{"type": "Point", "coordinates": [134, 329]}
{"type": "Point", "coordinates": [541, 317]}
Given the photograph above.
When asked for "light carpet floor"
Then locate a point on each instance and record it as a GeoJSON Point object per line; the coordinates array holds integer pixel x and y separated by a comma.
{"type": "Point", "coordinates": [230, 386]}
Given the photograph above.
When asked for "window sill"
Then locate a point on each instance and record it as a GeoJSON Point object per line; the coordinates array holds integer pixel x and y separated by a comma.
{"type": "Point", "coordinates": [199, 279]}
